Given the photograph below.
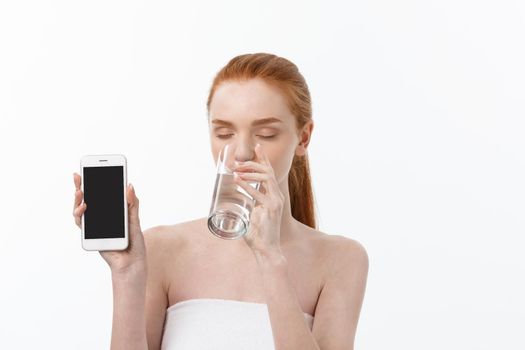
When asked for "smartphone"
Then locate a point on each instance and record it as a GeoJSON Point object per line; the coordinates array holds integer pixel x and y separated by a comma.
{"type": "Point", "coordinates": [105, 220]}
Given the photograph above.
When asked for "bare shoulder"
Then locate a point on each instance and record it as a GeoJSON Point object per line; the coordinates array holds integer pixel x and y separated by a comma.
{"type": "Point", "coordinates": [347, 247]}
{"type": "Point", "coordinates": [345, 270]}
{"type": "Point", "coordinates": [339, 253]}
{"type": "Point", "coordinates": [174, 230]}
{"type": "Point", "coordinates": [166, 236]}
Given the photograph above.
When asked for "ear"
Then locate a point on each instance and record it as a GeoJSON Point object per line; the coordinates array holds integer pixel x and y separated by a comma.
{"type": "Point", "coordinates": [304, 138]}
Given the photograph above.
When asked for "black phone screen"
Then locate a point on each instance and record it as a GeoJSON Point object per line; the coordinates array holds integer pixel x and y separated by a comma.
{"type": "Point", "coordinates": [104, 197]}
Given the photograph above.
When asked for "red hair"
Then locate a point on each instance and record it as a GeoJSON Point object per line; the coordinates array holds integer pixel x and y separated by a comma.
{"type": "Point", "coordinates": [285, 75]}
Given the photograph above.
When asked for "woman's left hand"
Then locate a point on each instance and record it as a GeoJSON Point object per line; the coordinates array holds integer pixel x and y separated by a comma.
{"type": "Point", "coordinates": [264, 231]}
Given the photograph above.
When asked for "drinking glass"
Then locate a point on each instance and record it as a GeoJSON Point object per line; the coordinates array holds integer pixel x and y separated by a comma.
{"type": "Point", "coordinates": [231, 205]}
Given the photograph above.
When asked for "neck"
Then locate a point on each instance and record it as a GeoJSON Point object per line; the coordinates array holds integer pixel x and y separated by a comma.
{"type": "Point", "coordinates": [289, 225]}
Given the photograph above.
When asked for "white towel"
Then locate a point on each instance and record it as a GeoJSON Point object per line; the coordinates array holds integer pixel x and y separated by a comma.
{"type": "Point", "coordinates": [216, 324]}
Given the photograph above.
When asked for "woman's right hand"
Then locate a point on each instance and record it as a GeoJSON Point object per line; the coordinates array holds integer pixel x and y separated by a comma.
{"type": "Point", "coordinates": [133, 258]}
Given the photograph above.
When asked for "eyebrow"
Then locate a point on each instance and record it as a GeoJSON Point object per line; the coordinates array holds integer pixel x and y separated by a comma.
{"type": "Point", "coordinates": [255, 122]}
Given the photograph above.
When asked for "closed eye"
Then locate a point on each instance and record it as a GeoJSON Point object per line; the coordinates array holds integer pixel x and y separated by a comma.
{"type": "Point", "coordinates": [228, 135]}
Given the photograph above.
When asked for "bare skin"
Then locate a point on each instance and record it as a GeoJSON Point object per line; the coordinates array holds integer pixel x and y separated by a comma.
{"type": "Point", "coordinates": [185, 261]}
{"type": "Point", "coordinates": [229, 271]}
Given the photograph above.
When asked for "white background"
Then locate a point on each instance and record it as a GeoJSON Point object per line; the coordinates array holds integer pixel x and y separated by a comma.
{"type": "Point", "coordinates": [417, 152]}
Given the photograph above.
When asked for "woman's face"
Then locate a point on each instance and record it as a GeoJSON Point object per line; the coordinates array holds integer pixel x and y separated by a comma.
{"type": "Point", "coordinates": [236, 114]}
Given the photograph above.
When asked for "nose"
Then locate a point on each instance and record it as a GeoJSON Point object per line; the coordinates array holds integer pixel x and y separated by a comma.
{"type": "Point", "coordinates": [244, 151]}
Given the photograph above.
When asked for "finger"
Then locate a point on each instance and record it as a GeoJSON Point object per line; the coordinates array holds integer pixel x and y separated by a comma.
{"type": "Point", "coordinates": [78, 212]}
{"type": "Point", "coordinates": [253, 176]}
{"type": "Point", "coordinates": [80, 209]}
{"type": "Point", "coordinates": [257, 195]}
{"type": "Point", "coordinates": [133, 202]}
{"type": "Point", "coordinates": [78, 198]}
{"type": "Point", "coordinates": [267, 181]}
{"type": "Point", "coordinates": [78, 180]}
{"type": "Point", "coordinates": [251, 165]}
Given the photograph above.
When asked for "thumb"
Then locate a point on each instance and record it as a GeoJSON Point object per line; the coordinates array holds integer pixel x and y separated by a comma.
{"type": "Point", "coordinates": [133, 202]}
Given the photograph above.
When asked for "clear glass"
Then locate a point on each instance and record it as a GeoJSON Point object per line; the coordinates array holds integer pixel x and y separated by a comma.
{"type": "Point", "coordinates": [231, 205]}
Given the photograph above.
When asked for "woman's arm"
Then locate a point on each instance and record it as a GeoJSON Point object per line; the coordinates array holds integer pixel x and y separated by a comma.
{"type": "Point", "coordinates": [140, 299]}
{"type": "Point", "coordinates": [338, 307]}
{"type": "Point", "coordinates": [129, 322]}
{"type": "Point", "coordinates": [139, 294]}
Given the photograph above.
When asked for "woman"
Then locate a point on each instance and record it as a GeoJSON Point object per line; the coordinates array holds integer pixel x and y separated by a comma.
{"type": "Point", "coordinates": [180, 287]}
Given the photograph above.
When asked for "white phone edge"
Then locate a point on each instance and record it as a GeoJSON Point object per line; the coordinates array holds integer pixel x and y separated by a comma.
{"type": "Point", "coordinates": [104, 244]}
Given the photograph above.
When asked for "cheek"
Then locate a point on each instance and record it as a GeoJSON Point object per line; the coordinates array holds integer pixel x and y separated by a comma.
{"type": "Point", "coordinates": [281, 163]}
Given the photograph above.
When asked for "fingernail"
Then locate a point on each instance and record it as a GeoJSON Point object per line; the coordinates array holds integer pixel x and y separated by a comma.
{"type": "Point", "coordinates": [131, 186]}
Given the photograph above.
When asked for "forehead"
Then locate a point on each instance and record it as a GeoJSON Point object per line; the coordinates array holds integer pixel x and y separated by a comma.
{"type": "Point", "coordinates": [241, 102]}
